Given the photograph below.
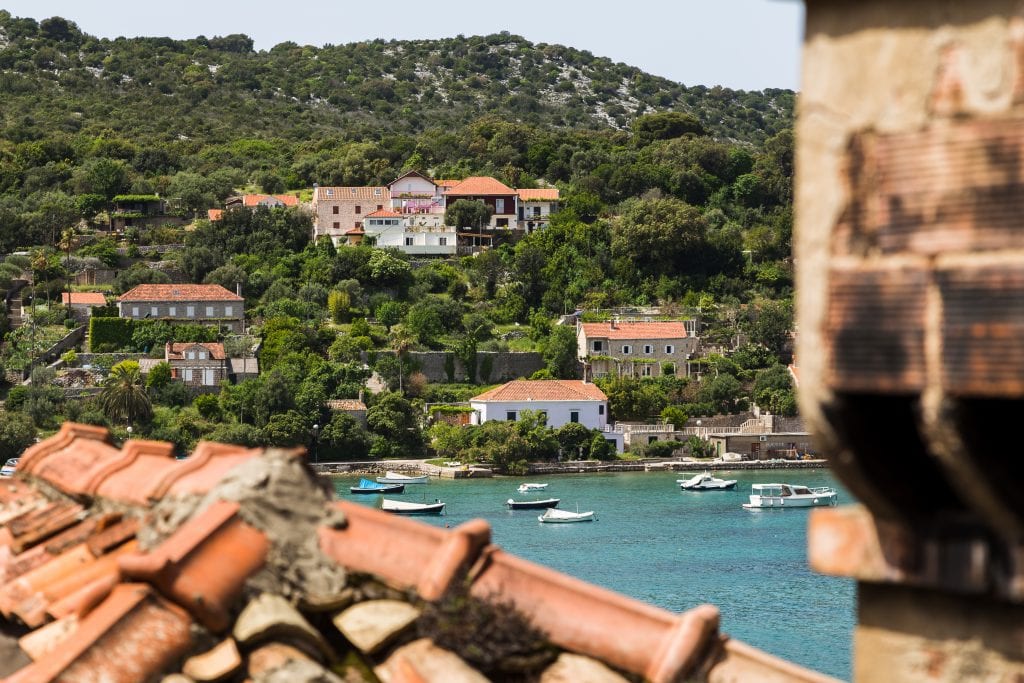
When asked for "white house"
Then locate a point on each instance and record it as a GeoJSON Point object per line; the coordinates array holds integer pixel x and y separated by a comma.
{"type": "Point", "coordinates": [414, 234]}
{"type": "Point", "coordinates": [561, 400]}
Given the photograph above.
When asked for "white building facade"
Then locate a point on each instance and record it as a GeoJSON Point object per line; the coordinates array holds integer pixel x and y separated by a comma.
{"type": "Point", "coordinates": [560, 401]}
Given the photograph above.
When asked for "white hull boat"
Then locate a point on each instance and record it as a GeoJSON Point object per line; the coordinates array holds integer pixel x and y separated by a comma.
{"type": "Point", "coordinates": [396, 478]}
{"type": "Point", "coordinates": [9, 468]}
{"type": "Point", "coordinates": [705, 482]}
{"type": "Point", "coordinates": [782, 496]}
{"type": "Point", "coordinates": [556, 516]}
{"type": "Point", "coordinates": [529, 488]}
{"type": "Point", "coordinates": [401, 507]}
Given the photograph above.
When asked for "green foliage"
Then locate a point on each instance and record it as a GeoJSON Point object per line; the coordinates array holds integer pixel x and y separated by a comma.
{"type": "Point", "coordinates": [159, 376]}
{"type": "Point", "coordinates": [109, 334]}
{"type": "Point", "coordinates": [674, 415]}
{"type": "Point", "coordinates": [631, 399]}
{"type": "Point", "coordinates": [723, 392]}
{"type": "Point", "coordinates": [661, 449]}
{"type": "Point", "coordinates": [17, 432]}
{"type": "Point", "coordinates": [123, 398]}
{"type": "Point", "coordinates": [208, 407]}
{"type": "Point", "coordinates": [774, 391]}
{"type": "Point", "coordinates": [559, 351]}
{"type": "Point", "coordinates": [664, 126]}
{"type": "Point", "coordinates": [344, 438]}
{"type": "Point", "coordinates": [467, 214]}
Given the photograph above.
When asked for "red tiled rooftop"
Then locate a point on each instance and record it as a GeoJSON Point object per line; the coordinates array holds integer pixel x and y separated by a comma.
{"type": "Point", "coordinates": [384, 213]}
{"type": "Point", "coordinates": [255, 199]}
{"type": "Point", "coordinates": [83, 298]}
{"type": "Point", "coordinates": [538, 194]}
{"type": "Point", "coordinates": [480, 185]}
{"type": "Point", "coordinates": [214, 214]}
{"type": "Point", "coordinates": [634, 330]}
{"type": "Point", "coordinates": [179, 293]}
{"type": "Point", "coordinates": [176, 350]}
{"type": "Point", "coordinates": [543, 390]}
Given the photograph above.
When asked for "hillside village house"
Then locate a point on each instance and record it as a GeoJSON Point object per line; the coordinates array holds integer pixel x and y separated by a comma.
{"type": "Point", "coordinates": [414, 234]}
{"type": "Point", "coordinates": [338, 210]}
{"type": "Point", "coordinates": [635, 349]}
{"type": "Point", "coordinates": [82, 303]}
{"type": "Point", "coordinates": [202, 364]}
{"type": "Point", "coordinates": [140, 211]}
{"type": "Point", "coordinates": [536, 207]}
{"type": "Point", "coordinates": [252, 201]}
{"type": "Point", "coordinates": [499, 197]}
{"type": "Point", "coordinates": [202, 304]}
{"type": "Point", "coordinates": [561, 400]}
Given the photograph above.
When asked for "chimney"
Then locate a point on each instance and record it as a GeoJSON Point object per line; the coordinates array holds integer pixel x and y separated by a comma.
{"type": "Point", "coordinates": [238, 288]}
{"type": "Point", "coordinates": [361, 396]}
{"type": "Point", "coordinates": [615, 322]}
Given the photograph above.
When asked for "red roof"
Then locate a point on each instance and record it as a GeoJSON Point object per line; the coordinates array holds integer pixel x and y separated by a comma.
{"type": "Point", "coordinates": [644, 330]}
{"type": "Point", "coordinates": [179, 293]}
{"type": "Point", "coordinates": [83, 298]}
{"type": "Point", "coordinates": [214, 214]}
{"type": "Point", "coordinates": [543, 390]}
{"type": "Point", "coordinates": [355, 231]}
{"type": "Point", "coordinates": [176, 350]}
{"type": "Point", "coordinates": [480, 185]}
{"type": "Point", "coordinates": [255, 199]}
{"type": "Point", "coordinates": [384, 213]}
{"type": "Point", "coordinates": [538, 194]}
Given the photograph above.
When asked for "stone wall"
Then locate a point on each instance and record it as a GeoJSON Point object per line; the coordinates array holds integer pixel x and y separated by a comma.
{"type": "Point", "coordinates": [492, 367]}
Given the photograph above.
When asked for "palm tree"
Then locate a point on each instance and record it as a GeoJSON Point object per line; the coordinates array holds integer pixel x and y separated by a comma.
{"type": "Point", "coordinates": [123, 396]}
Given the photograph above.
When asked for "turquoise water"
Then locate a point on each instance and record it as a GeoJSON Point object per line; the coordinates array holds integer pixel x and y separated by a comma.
{"type": "Point", "coordinates": [675, 550]}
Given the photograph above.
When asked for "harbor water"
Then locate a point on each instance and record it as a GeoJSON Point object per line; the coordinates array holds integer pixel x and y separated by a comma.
{"type": "Point", "coordinates": [674, 549]}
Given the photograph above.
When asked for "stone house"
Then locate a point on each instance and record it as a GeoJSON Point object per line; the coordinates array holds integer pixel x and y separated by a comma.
{"type": "Point", "coordinates": [252, 201]}
{"type": "Point", "coordinates": [202, 304]}
{"type": "Point", "coordinates": [197, 364]}
{"type": "Point", "coordinates": [499, 197]}
{"type": "Point", "coordinates": [635, 349]}
{"type": "Point", "coordinates": [351, 406]}
{"type": "Point", "coordinates": [82, 303]}
{"type": "Point", "coordinates": [338, 210]}
{"type": "Point", "coordinates": [140, 211]}
{"type": "Point", "coordinates": [561, 400]}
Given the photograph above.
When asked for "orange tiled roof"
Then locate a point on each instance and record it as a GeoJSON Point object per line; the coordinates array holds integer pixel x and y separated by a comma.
{"type": "Point", "coordinates": [539, 194]}
{"type": "Point", "coordinates": [179, 293]}
{"type": "Point", "coordinates": [83, 298]}
{"type": "Point", "coordinates": [355, 231]}
{"type": "Point", "coordinates": [214, 214]}
{"type": "Point", "coordinates": [112, 557]}
{"type": "Point", "coordinates": [480, 185]}
{"type": "Point", "coordinates": [630, 330]}
{"type": "Point", "coordinates": [543, 390]}
{"type": "Point", "coordinates": [255, 199]}
{"type": "Point", "coordinates": [176, 350]}
{"type": "Point", "coordinates": [383, 213]}
{"type": "Point", "coordinates": [352, 193]}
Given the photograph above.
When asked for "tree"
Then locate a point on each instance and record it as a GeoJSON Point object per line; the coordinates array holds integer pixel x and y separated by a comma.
{"type": "Point", "coordinates": [17, 432]}
{"type": "Point", "coordinates": [343, 438]}
{"type": "Point", "coordinates": [390, 313]}
{"type": "Point", "coordinates": [656, 237]}
{"type": "Point", "coordinates": [722, 392]}
{"type": "Point", "coordinates": [674, 415]}
{"type": "Point", "coordinates": [664, 126]}
{"type": "Point", "coordinates": [467, 213]}
{"type": "Point", "coordinates": [123, 396]}
{"type": "Point", "coordinates": [159, 376]}
{"type": "Point", "coordinates": [394, 419]}
{"type": "Point", "coordinates": [773, 326]}
{"type": "Point", "coordinates": [287, 429]}
{"type": "Point", "coordinates": [338, 305]}
{"type": "Point", "coordinates": [559, 350]}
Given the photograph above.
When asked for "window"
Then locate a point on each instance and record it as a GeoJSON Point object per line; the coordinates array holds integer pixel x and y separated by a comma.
{"type": "Point", "coordinates": [600, 409]}
{"type": "Point", "coordinates": [380, 206]}
{"type": "Point", "coordinates": [669, 349]}
{"type": "Point", "coordinates": [574, 416]}
{"type": "Point", "coordinates": [408, 241]}
{"type": "Point", "coordinates": [648, 349]}
{"type": "Point", "coordinates": [499, 206]}
{"type": "Point", "coordinates": [191, 355]}
{"type": "Point", "coordinates": [336, 225]}
{"type": "Point", "coordinates": [510, 416]}
{"type": "Point", "coordinates": [443, 241]}
{"type": "Point", "coordinates": [501, 222]}
{"type": "Point", "coordinates": [190, 311]}
{"type": "Point", "coordinates": [188, 374]}
{"type": "Point", "coordinates": [543, 416]}
{"type": "Point", "coordinates": [359, 209]}
{"type": "Point", "coordinates": [627, 349]}
{"type": "Point", "coordinates": [598, 345]}
{"type": "Point", "coordinates": [209, 311]}
{"type": "Point", "coordinates": [208, 377]}
{"type": "Point", "coordinates": [172, 311]}
{"type": "Point", "coordinates": [334, 209]}
{"type": "Point", "coordinates": [536, 211]}
{"type": "Point", "coordinates": [376, 193]}
{"type": "Point", "coordinates": [154, 311]}
{"type": "Point", "coordinates": [228, 310]}
{"type": "Point", "coordinates": [329, 191]}
{"type": "Point", "coordinates": [646, 371]}
{"type": "Point", "coordinates": [135, 311]}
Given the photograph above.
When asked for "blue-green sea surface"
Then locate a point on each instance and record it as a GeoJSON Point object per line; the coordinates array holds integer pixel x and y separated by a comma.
{"type": "Point", "coordinates": [674, 549]}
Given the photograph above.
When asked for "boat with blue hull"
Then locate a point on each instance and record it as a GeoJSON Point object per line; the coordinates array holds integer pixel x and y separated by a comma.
{"type": "Point", "coordinates": [367, 486]}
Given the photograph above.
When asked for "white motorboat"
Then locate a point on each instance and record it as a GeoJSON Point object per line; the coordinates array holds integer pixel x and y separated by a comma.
{"type": "Point", "coordinates": [556, 516]}
{"type": "Point", "coordinates": [396, 478]}
{"type": "Point", "coordinates": [401, 507]}
{"type": "Point", "coordinates": [705, 482]}
{"type": "Point", "coordinates": [781, 496]}
{"type": "Point", "coordinates": [527, 488]}
{"type": "Point", "coordinates": [9, 468]}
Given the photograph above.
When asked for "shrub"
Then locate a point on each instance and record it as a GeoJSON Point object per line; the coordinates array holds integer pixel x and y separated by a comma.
{"type": "Point", "coordinates": [109, 334]}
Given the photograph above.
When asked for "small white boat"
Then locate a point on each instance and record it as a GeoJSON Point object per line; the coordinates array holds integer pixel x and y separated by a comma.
{"type": "Point", "coordinates": [531, 504]}
{"type": "Point", "coordinates": [705, 482]}
{"type": "Point", "coordinates": [396, 478]}
{"type": "Point", "coordinates": [401, 507]}
{"type": "Point", "coordinates": [764, 496]}
{"type": "Point", "coordinates": [9, 468]}
{"type": "Point", "coordinates": [556, 516]}
{"type": "Point", "coordinates": [527, 488]}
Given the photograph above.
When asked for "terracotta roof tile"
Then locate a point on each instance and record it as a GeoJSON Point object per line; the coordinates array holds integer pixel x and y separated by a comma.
{"type": "Point", "coordinates": [214, 214]}
{"type": "Point", "coordinates": [83, 298]}
{"type": "Point", "coordinates": [130, 478]}
{"type": "Point", "coordinates": [540, 194]}
{"type": "Point", "coordinates": [255, 199]}
{"type": "Point", "coordinates": [479, 185]}
{"type": "Point", "coordinates": [384, 213]}
{"type": "Point", "coordinates": [355, 231]}
{"type": "Point", "coordinates": [635, 330]}
{"type": "Point", "coordinates": [179, 293]}
{"type": "Point", "coordinates": [201, 471]}
{"type": "Point", "coordinates": [176, 350]}
{"type": "Point", "coordinates": [543, 390]}
{"type": "Point", "coordinates": [376, 193]}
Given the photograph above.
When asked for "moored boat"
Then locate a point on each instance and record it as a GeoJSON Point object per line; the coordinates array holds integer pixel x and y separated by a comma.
{"type": "Point", "coordinates": [705, 482]}
{"type": "Point", "coordinates": [531, 504]}
{"type": "Point", "coordinates": [782, 496]}
{"type": "Point", "coordinates": [527, 488]}
{"type": "Point", "coordinates": [368, 486]}
{"type": "Point", "coordinates": [556, 516]}
{"type": "Point", "coordinates": [401, 507]}
{"type": "Point", "coordinates": [9, 468]}
{"type": "Point", "coordinates": [396, 478]}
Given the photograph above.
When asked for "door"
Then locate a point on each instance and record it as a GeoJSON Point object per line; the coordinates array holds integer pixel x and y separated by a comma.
{"type": "Point", "coordinates": [208, 377]}
{"type": "Point", "coordinates": [755, 451]}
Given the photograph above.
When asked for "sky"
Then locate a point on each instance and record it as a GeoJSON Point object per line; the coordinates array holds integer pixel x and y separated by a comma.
{"type": "Point", "coordinates": [742, 44]}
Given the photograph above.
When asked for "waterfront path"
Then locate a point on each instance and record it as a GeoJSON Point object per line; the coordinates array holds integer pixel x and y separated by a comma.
{"type": "Point", "coordinates": [576, 467]}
